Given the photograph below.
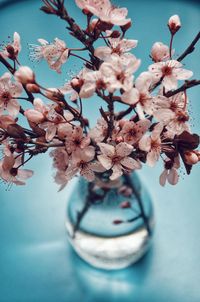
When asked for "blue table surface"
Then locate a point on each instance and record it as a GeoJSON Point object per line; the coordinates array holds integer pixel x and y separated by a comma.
{"type": "Point", "coordinates": [36, 262]}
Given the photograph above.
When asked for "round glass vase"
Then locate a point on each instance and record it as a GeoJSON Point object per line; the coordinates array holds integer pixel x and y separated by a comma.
{"type": "Point", "coordinates": [110, 223]}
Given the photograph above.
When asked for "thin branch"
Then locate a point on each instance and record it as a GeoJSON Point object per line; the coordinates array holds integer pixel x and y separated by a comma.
{"type": "Point", "coordinates": [184, 87]}
{"type": "Point", "coordinates": [190, 48]}
{"type": "Point", "coordinates": [124, 113]}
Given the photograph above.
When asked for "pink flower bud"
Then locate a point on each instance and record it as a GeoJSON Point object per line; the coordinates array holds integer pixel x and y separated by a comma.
{"type": "Point", "coordinates": [191, 158]}
{"type": "Point", "coordinates": [33, 88]}
{"type": "Point", "coordinates": [159, 52]}
{"type": "Point", "coordinates": [174, 24]}
{"type": "Point", "coordinates": [76, 84]}
{"type": "Point", "coordinates": [34, 116]}
{"type": "Point", "coordinates": [25, 75]}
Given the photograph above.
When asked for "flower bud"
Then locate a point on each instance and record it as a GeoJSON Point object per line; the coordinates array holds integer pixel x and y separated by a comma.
{"type": "Point", "coordinates": [33, 88]}
{"type": "Point", "coordinates": [174, 24]}
{"type": "Point", "coordinates": [25, 75]}
{"type": "Point", "coordinates": [191, 158]}
{"type": "Point", "coordinates": [159, 52]}
{"type": "Point", "coordinates": [34, 116]}
{"type": "Point", "coordinates": [76, 84]}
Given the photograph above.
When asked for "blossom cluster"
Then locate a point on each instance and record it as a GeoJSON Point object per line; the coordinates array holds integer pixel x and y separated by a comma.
{"type": "Point", "coordinates": [153, 126]}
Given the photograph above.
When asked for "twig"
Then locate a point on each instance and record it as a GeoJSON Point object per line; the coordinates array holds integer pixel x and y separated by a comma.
{"type": "Point", "coordinates": [184, 87]}
{"type": "Point", "coordinates": [190, 48]}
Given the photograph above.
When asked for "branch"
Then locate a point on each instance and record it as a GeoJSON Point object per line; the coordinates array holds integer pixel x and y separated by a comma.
{"type": "Point", "coordinates": [184, 87]}
{"type": "Point", "coordinates": [124, 113]}
{"type": "Point", "coordinates": [190, 48]}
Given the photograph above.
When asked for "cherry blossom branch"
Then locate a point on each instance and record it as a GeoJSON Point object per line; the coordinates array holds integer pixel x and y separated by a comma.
{"type": "Point", "coordinates": [58, 8]}
{"type": "Point", "coordinates": [190, 48]}
{"type": "Point", "coordinates": [184, 87]}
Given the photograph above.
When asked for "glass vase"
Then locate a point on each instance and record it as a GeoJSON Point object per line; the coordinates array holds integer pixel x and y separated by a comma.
{"type": "Point", "coordinates": [110, 223]}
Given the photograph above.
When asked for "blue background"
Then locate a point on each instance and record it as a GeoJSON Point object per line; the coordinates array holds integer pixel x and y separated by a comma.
{"type": "Point", "coordinates": [36, 261]}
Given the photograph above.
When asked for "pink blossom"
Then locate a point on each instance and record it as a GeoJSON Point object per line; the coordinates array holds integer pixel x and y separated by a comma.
{"type": "Point", "coordinates": [105, 11]}
{"type": "Point", "coordinates": [170, 173]}
{"type": "Point", "coordinates": [99, 132]}
{"type": "Point", "coordinates": [140, 93]}
{"type": "Point", "coordinates": [159, 52]}
{"type": "Point", "coordinates": [12, 50]}
{"type": "Point", "coordinates": [82, 160]}
{"type": "Point", "coordinates": [10, 171]}
{"type": "Point", "coordinates": [171, 71]}
{"type": "Point", "coordinates": [172, 112]}
{"type": "Point", "coordinates": [118, 72]}
{"type": "Point", "coordinates": [132, 132]}
{"type": "Point", "coordinates": [117, 159]}
{"type": "Point", "coordinates": [152, 145]}
{"type": "Point", "coordinates": [48, 118]}
{"type": "Point", "coordinates": [76, 141]}
{"type": "Point", "coordinates": [25, 75]}
{"type": "Point", "coordinates": [56, 54]}
{"type": "Point", "coordinates": [60, 158]}
{"type": "Point", "coordinates": [92, 80]}
{"type": "Point", "coordinates": [6, 120]}
{"type": "Point", "coordinates": [8, 92]}
{"type": "Point", "coordinates": [117, 45]}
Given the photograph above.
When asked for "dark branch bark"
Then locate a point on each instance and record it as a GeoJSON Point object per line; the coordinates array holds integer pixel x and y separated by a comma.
{"type": "Point", "coordinates": [190, 48]}
{"type": "Point", "coordinates": [187, 85]}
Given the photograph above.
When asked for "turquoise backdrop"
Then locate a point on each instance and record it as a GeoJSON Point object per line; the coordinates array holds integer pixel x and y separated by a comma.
{"type": "Point", "coordinates": [36, 261]}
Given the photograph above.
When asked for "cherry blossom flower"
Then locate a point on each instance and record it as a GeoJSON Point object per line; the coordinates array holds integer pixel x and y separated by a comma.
{"type": "Point", "coordinates": [117, 159]}
{"type": "Point", "coordinates": [99, 132]}
{"type": "Point", "coordinates": [92, 80]}
{"type": "Point", "coordinates": [10, 171]}
{"type": "Point", "coordinates": [132, 132]}
{"type": "Point", "coordinates": [118, 72]}
{"type": "Point", "coordinates": [159, 52]}
{"type": "Point", "coordinates": [172, 112]}
{"type": "Point", "coordinates": [47, 118]}
{"type": "Point", "coordinates": [77, 141]}
{"type": "Point", "coordinates": [105, 11]}
{"type": "Point", "coordinates": [82, 160]}
{"type": "Point", "coordinates": [56, 53]}
{"type": "Point", "coordinates": [170, 71]}
{"type": "Point", "coordinates": [140, 93]}
{"type": "Point", "coordinates": [6, 120]}
{"type": "Point", "coordinates": [152, 145]}
{"type": "Point", "coordinates": [117, 45]}
{"type": "Point", "coordinates": [170, 173]}
{"type": "Point", "coordinates": [60, 158]}
{"type": "Point", "coordinates": [12, 50]}
{"type": "Point", "coordinates": [9, 91]}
